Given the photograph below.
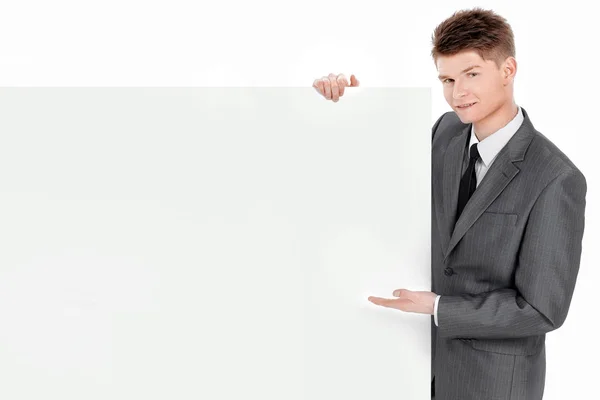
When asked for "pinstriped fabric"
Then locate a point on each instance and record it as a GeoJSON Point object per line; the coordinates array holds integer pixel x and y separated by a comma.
{"type": "Point", "coordinates": [508, 268]}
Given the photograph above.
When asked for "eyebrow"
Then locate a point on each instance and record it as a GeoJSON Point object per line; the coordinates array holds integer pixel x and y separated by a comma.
{"type": "Point", "coordinates": [462, 72]}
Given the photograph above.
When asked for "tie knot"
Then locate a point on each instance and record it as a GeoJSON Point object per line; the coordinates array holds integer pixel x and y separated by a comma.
{"type": "Point", "coordinates": [474, 154]}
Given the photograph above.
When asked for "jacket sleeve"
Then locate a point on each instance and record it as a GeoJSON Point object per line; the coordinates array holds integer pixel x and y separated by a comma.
{"type": "Point", "coordinates": [548, 264]}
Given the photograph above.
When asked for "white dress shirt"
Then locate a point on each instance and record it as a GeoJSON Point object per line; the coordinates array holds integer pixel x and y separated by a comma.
{"type": "Point", "coordinates": [488, 150]}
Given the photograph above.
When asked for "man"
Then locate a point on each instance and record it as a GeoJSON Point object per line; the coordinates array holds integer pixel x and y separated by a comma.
{"type": "Point", "coordinates": [505, 257]}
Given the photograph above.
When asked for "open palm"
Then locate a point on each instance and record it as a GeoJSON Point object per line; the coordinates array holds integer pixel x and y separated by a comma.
{"type": "Point", "coordinates": [407, 300]}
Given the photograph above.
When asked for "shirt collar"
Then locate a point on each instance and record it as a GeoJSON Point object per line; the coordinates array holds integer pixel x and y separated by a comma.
{"type": "Point", "coordinates": [490, 146]}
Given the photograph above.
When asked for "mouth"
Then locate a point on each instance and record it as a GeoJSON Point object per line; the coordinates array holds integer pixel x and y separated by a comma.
{"type": "Point", "coordinates": [466, 106]}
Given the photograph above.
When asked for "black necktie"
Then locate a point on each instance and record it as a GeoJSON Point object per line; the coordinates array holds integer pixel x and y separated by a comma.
{"type": "Point", "coordinates": [468, 182]}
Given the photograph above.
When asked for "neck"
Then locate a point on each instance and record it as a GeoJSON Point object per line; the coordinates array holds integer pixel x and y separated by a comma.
{"type": "Point", "coordinates": [496, 120]}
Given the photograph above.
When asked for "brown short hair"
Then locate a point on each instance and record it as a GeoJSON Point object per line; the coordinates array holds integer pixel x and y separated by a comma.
{"type": "Point", "coordinates": [477, 29]}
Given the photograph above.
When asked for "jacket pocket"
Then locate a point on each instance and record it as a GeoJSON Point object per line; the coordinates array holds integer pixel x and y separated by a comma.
{"type": "Point", "coordinates": [489, 217]}
{"type": "Point", "coordinates": [515, 346]}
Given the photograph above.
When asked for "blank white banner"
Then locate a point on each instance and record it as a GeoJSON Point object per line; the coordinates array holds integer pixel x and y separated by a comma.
{"type": "Point", "coordinates": [213, 243]}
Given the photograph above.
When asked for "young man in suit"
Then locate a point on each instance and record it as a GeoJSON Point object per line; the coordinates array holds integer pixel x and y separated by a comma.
{"type": "Point", "coordinates": [505, 257]}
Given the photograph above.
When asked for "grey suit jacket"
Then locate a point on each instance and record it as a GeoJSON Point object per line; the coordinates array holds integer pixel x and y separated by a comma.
{"type": "Point", "coordinates": [507, 270]}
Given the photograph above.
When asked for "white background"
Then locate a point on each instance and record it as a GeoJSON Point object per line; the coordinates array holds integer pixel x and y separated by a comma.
{"type": "Point", "coordinates": [212, 243]}
{"type": "Point", "coordinates": [385, 43]}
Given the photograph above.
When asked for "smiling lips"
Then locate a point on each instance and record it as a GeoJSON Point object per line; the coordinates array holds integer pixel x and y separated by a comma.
{"type": "Point", "coordinates": [467, 105]}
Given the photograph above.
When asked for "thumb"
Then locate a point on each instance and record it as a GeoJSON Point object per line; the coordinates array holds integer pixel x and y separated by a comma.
{"type": "Point", "coordinates": [401, 293]}
{"type": "Point", "coordinates": [353, 81]}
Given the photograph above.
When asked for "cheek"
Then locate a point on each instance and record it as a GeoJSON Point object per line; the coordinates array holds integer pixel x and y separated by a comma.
{"type": "Point", "coordinates": [493, 89]}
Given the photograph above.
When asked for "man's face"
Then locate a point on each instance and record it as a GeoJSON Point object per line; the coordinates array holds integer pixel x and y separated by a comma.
{"type": "Point", "coordinates": [483, 85]}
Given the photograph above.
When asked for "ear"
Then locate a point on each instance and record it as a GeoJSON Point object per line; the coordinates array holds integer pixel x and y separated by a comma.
{"type": "Point", "coordinates": [509, 70]}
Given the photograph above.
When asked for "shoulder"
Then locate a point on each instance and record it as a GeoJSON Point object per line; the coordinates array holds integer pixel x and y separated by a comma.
{"type": "Point", "coordinates": [550, 162]}
{"type": "Point", "coordinates": [445, 128]}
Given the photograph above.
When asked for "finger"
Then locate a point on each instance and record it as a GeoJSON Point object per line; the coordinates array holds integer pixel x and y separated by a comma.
{"type": "Point", "coordinates": [335, 89]}
{"type": "Point", "coordinates": [353, 81]}
{"type": "Point", "coordinates": [321, 87]}
{"type": "Point", "coordinates": [398, 304]}
{"type": "Point", "coordinates": [342, 83]}
{"type": "Point", "coordinates": [326, 88]}
{"type": "Point", "coordinates": [318, 87]}
{"type": "Point", "coordinates": [380, 301]}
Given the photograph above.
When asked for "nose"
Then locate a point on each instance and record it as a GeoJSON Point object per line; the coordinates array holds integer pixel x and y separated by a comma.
{"type": "Point", "coordinates": [459, 90]}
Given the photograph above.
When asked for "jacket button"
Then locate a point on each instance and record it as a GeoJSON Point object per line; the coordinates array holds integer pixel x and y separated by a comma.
{"type": "Point", "coordinates": [448, 271]}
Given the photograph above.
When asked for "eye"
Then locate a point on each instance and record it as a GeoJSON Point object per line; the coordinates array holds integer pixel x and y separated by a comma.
{"type": "Point", "coordinates": [473, 73]}
{"type": "Point", "coordinates": [446, 80]}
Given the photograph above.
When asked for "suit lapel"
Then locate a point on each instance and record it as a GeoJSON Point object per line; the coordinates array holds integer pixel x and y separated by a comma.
{"type": "Point", "coordinates": [495, 180]}
{"type": "Point", "coordinates": [450, 183]}
{"type": "Point", "coordinates": [501, 172]}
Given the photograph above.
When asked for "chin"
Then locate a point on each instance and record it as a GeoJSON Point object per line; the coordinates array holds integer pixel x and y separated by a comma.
{"type": "Point", "coordinates": [465, 119]}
